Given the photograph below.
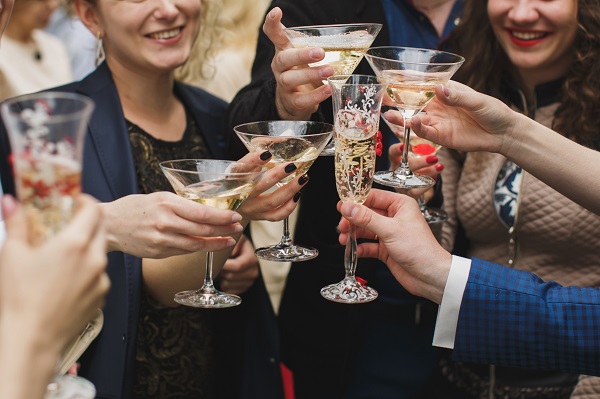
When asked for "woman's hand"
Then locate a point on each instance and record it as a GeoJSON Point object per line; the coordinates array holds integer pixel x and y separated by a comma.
{"type": "Point", "coordinates": [162, 224]}
{"type": "Point", "coordinates": [241, 269]}
{"type": "Point", "coordinates": [299, 87]}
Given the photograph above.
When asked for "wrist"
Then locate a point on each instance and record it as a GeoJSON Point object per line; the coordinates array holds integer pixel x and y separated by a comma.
{"type": "Point", "coordinates": [112, 239]}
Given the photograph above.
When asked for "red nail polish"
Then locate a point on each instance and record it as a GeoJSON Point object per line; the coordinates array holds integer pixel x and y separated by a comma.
{"type": "Point", "coordinates": [439, 167]}
{"type": "Point", "coordinates": [432, 159]}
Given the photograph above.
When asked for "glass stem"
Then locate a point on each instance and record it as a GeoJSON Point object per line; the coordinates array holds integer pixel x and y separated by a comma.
{"type": "Point", "coordinates": [404, 169]}
{"type": "Point", "coordinates": [286, 241]}
{"type": "Point", "coordinates": [421, 202]}
{"type": "Point", "coordinates": [208, 287]}
{"type": "Point", "coordinates": [350, 258]}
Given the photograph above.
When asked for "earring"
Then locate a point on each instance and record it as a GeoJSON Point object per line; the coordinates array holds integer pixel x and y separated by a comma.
{"type": "Point", "coordinates": [100, 55]}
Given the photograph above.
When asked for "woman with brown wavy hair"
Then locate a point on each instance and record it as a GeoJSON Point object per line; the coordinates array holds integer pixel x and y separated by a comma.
{"type": "Point", "coordinates": [543, 59]}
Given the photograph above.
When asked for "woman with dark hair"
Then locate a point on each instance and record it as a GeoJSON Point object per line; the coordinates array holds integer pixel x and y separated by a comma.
{"type": "Point", "coordinates": [542, 59]}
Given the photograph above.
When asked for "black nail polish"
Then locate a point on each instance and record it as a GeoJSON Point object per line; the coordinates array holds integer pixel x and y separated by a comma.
{"type": "Point", "coordinates": [302, 180]}
{"type": "Point", "coordinates": [297, 196]}
{"type": "Point", "coordinates": [265, 155]}
{"type": "Point", "coordinates": [290, 168]}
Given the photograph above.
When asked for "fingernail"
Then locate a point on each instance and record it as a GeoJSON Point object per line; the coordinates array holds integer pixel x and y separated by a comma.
{"type": "Point", "coordinates": [445, 91]}
{"type": "Point", "coordinates": [401, 147]}
{"type": "Point", "coordinates": [265, 155]}
{"type": "Point", "coordinates": [316, 53]}
{"type": "Point", "coordinates": [289, 168]}
{"type": "Point", "coordinates": [326, 72]}
{"type": "Point", "coordinates": [302, 181]}
{"type": "Point", "coordinates": [238, 228]}
{"type": "Point", "coordinates": [297, 196]}
{"type": "Point", "coordinates": [439, 167]}
{"type": "Point", "coordinates": [236, 218]}
{"type": "Point", "coordinates": [431, 159]}
{"type": "Point", "coordinates": [354, 211]}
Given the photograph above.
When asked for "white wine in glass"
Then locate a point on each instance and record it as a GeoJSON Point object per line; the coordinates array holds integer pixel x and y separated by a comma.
{"type": "Point", "coordinates": [219, 184]}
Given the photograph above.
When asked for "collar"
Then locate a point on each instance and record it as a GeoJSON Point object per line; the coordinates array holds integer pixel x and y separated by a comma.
{"type": "Point", "coordinates": [545, 94]}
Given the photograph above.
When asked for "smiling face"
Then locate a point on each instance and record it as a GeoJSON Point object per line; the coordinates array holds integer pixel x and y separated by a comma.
{"type": "Point", "coordinates": [537, 35]}
{"type": "Point", "coordinates": [144, 35]}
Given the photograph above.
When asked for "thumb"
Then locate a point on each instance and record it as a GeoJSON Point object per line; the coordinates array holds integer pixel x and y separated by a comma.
{"type": "Point", "coordinates": [14, 216]}
{"type": "Point", "coordinates": [361, 216]}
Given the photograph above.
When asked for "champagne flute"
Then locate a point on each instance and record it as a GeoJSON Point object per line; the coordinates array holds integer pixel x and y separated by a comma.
{"type": "Point", "coordinates": [344, 45]}
{"type": "Point", "coordinates": [420, 147]}
{"type": "Point", "coordinates": [46, 133]}
{"type": "Point", "coordinates": [357, 104]}
{"type": "Point", "coordinates": [299, 142]}
{"type": "Point", "coordinates": [411, 75]}
{"type": "Point", "coordinates": [216, 183]}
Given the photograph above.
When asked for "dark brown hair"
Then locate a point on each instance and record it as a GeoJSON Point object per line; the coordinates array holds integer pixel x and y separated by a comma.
{"type": "Point", "coordinates": [578, 115]}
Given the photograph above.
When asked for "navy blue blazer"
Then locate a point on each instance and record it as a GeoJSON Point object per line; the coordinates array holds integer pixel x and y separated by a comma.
{"type": "Point", "coordinates": [109, 174]}
{"type": "Point", "coordinates": [513, 318]}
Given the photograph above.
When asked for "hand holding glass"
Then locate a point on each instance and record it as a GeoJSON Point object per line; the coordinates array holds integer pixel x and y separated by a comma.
{"type": "Point", "coordinates": [47, 133]}
{"type": "Point", "coordinates": [299, 142]}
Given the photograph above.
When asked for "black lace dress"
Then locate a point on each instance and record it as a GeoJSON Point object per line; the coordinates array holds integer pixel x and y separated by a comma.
{"type": "Point", "coordinates": [174, 353]}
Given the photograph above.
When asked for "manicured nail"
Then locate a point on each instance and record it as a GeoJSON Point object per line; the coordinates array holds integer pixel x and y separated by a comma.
{"type": "Point", "coordinates": [431, 159]}
{"type": "Point", "coordinates": [238, 228]}
{"type": "Point", "coordinates": [401, 147]}
{"type": "Point", "coordinates": [265, 155]}
{"type": "Point", "coordinates": [236, 218]}
{"type": "Point", "coordinates": [439, 167]}
{"type": "Point", "coordinates": [302, 180]}
{"type": "Point", "coordinates": [354, 211]}
{"type": "Point", "coordinates": [297, 196]}
{"type": "Point", "coordinates": [290, 168]}
{"type": "Point", "coordinates": [317, 53]}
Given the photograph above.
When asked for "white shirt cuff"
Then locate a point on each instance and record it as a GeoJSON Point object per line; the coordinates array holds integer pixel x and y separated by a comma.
{"type": "Point", "coordinates": [447, 318]}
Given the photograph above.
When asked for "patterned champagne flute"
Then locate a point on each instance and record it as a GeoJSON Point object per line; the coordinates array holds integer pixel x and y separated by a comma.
{"type": "Point", "coordinates": [357, 104]}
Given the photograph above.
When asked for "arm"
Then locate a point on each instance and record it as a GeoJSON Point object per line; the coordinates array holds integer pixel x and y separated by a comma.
{"type": "Point", "coordinates": [507, 317]}
{"type": "Point", "coordinates": [36, 297]}
{"type": "Point", "coordinates": [465, 120]}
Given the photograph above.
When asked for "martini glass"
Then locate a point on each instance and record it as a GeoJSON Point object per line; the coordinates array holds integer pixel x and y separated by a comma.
{"type": "Point", "coordinates": [420, 147]}
{"type": "Point", "coordinates": [46, 133]}
{"type": "Point", "coordinates": [357, 104]}
{"type": "Point", "coordinates": [299, 142]}
{"type": "Point", "coordinates": [412, 75]}
{"type": "Point", "coordinates": [220, 184]}
{"type": "Point", "coordinates": [344, 46]}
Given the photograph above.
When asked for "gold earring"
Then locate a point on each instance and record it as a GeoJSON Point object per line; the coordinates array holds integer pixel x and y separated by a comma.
{"type": "Point", "coordinates": [100, 55]}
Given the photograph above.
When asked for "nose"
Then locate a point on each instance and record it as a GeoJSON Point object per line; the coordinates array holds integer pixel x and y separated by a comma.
{"type": "Point", "coordinates": [524, 11]}
{"type": "Point", "coordinates": [166, 9]}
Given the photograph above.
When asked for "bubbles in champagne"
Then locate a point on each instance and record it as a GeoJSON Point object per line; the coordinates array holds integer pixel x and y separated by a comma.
{"type": "Point", "coordinates": [354, 164]}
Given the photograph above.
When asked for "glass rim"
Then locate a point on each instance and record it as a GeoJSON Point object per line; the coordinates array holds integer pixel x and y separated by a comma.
{"type": "Point", "coordinates": [460, 60]}
{"type": "Point", "coordinates": [163, 165]}
{"type": "Point", "coordinates": [328, 126]}
{"type": "Point", "coordinates": [88, 105]}
{"type": "Point", "coordinates": [333, 26]}
{"type": "Point", "coordinates": [339, 77]}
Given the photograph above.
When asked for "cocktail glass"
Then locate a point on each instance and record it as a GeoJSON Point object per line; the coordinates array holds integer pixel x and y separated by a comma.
{"type": "Point", "coordinates": [420, 147]}
{"type": "Point", "coordinates": [344, 46]}
{"type": "Point", "coordinates": [357, 104]}
{"type": "Point", "coordinates": [411, 75]}
{"type": "Point", "coordinates": [216, 183]}
{"type": "Point", "coordinates": [299, 142]}
{"type": "Point", "coordinates": [46, 133]}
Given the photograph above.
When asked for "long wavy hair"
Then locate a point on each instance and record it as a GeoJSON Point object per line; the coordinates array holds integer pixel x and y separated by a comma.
{"type": "Point", "coordinates": [577, 116]}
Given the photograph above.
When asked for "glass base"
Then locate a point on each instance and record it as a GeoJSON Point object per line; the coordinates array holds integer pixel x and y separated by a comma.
{"type": "Point", "coordinates": [392, 179]}
{"type": "Point", "coordinates": [199, 299]}
{"type": "Point", "coordinates": [434, 216]}
{"type": "Point", "coordinates": [70, 387]}
{"type": "Point", "coordinates": [288, 253]}
{"type": "Point", "coordinates": [349, 291]}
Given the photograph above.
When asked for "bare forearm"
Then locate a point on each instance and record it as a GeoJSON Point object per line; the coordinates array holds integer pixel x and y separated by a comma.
{"type": "Point", "coordinates": [557, 161]}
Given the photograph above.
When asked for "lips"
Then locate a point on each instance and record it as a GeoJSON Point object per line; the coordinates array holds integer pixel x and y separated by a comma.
{"type": "Point", "coordinates": [526, 38]}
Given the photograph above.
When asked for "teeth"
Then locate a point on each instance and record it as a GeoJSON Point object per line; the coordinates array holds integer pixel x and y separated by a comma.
{"type": "Point", "coordinates": [165, 34]}
{"type": "Point", "coordinates": [527, 35]}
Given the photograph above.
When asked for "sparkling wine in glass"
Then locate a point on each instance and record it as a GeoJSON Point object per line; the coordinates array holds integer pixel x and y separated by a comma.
{"type": "Point", "coordinates": [420, 147]}
{"type": "Point", "coordinates": [357, 104]}
{"type": "Point", "coordinates": [344, 45]}
{"type": "Point", "coordinates": [46, 133]}
{"type": "Point", "coordinates": [411, 75]}
{"type": "Point", "coordinates": [216, 183]}
{"type": "Point", "coordinates": [299, 142]}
